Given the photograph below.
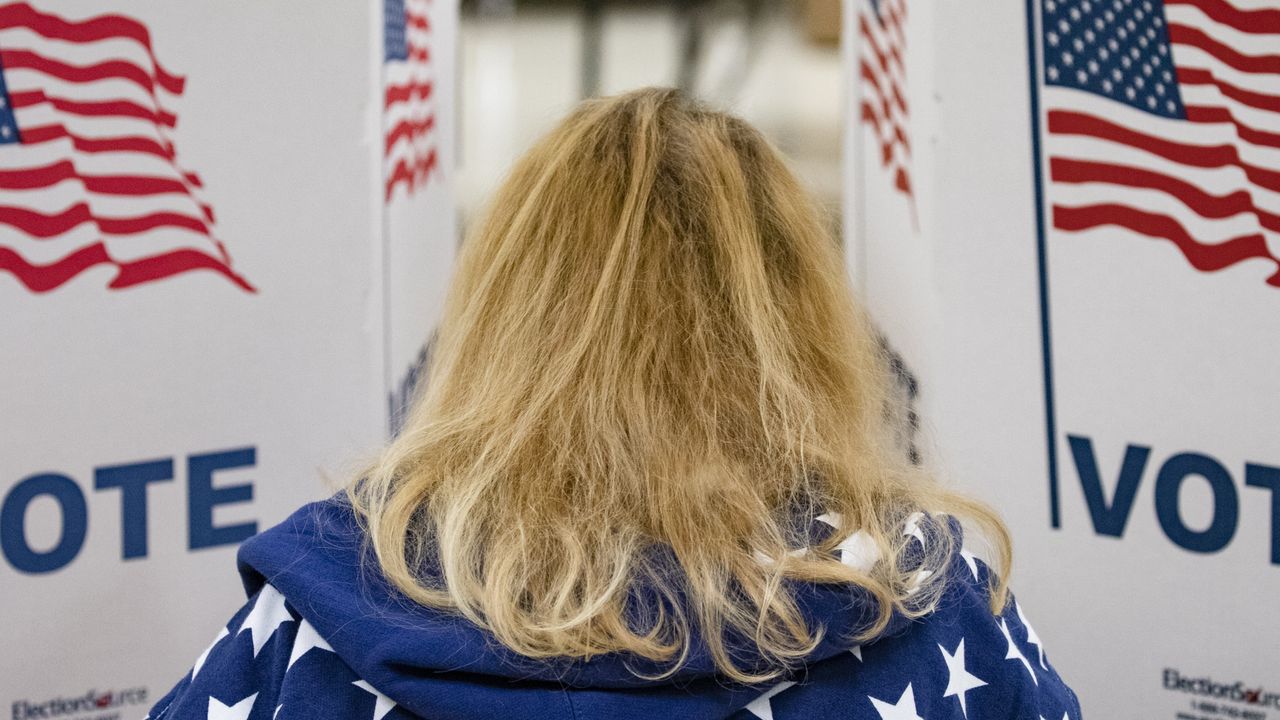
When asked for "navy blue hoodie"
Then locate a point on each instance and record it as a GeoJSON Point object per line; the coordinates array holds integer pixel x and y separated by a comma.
{"type": "Point", "coordinates": [323, 635]}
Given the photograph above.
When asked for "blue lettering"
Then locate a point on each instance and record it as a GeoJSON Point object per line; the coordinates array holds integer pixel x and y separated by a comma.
{"type": "Point", "coordinates": [1108, 519]}
{"type": "Point", "coordinates": [1226, 508]}
{"type": "Point", "coordinates": [1265, 476]}
{"type": "Point", "coordinates": [401, 401]}
{"type": "Point", "coordinates": [132, 479]}
{"type": "Point", "coordinates": [203, 497]}
{"type": "Point", "coordinates": [13, 523]}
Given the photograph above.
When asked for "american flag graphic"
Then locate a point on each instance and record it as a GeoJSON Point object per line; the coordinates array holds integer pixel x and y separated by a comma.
{"type": "Point", "coordinates": [89, 175]}
{"type": "Point", "coordinates": [409, 149]}
{"type": "Point", "coordinates": [883, 74]}
{"type": "Point", "coordinates": [1162, 120]}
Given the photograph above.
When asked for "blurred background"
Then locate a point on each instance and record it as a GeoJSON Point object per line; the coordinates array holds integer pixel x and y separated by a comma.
{"type": "Point", "coordinates": [525, 64]}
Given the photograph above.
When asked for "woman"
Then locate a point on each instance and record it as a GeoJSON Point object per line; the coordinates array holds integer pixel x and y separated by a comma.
{"type": "Point", "coordinates": [651, 476]}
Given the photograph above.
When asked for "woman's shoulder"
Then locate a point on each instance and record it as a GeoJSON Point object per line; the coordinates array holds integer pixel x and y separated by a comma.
{"type": "Point", "coordinates": [269, 661]}
{"type": "Point", "coordinates": [960, 659]}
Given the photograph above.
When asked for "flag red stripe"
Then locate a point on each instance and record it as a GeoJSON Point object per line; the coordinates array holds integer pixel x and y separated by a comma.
{"type": "Point", "coordinates": [94, 108]}
{"type": "Point", "coordinates": [108, 70]}
{"type": "Point", "coordinates": [49, 133]}
{"type": "Point", "coordinates": [41, 177]}
{"type": "Point", "coordinates": [158, 267]}
{"type": "Point", "coordinates": [411, 175]}
{"type": "Point", "coordinates": [408, 129]}
{"type": "Point", "coordinates": [419, 54]}
{"type": "Point", "coordinates": [869, 75]}
{"type": "Point", "coordinates": [417, 20]}
{"type": "Point", "coordinates": [103, 27]}
{"type": "Point", "coordinates": [406, 92]}
{"type": "Point", "coordinates": [1068, 170]}
{"type": "Point", "coordinates": [1261, 101]}
{"type": "Point", "coordinates": [1066, 122]}
{"type": "Point", "coordinates": [1197, 113]}
{"type": "Point", "coordinates": [1203, 257]}
{"type": "Point", "coordinates": [1260, 21]}
{"type": "Point", "coordinates": [44, 225]}
{"type": "Point", "coordinates": [902, 180]}
{"type": "Point", "coordinates": [1187, 35]}
{"type": "Point", "coordinates": [886, 146]}
{"type": "Point", "coordinates": [43, 278]}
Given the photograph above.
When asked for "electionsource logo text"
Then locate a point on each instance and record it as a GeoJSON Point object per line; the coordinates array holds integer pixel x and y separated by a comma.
{"type": "Point", "coordinates": [1208, 687]}
{"type": "Point", "coordinates": [91, 701]}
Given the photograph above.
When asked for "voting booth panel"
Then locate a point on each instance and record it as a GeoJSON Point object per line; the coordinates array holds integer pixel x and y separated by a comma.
{"type": "Point", "coordinates": [420, 230]}
{"type": "Point", "coordinates": [199, 204]}
{"type": "Point", "coordinates": [1062, 217]}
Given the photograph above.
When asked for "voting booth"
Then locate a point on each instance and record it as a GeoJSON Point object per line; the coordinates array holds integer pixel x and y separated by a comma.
{"type": "Point", "coordinates": [1063, 216]}
{"type": "Point", "coordinates": [225, 230]}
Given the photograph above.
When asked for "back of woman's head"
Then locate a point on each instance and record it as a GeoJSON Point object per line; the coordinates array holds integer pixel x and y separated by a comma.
{"type": "Point", "coordinates": [649, 344]}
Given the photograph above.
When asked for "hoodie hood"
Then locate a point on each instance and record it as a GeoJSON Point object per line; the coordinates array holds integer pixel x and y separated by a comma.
{"type": "Point", "coordinates": [439, 664]}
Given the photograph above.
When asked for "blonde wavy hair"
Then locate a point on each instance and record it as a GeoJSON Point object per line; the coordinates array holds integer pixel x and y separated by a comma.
{"type": "Point", "coordinates": [650, 342]}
